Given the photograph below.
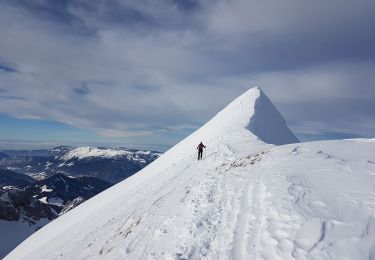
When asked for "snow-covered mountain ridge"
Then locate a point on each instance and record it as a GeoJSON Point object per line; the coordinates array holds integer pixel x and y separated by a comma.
{"type": "Point", "coordinates": [247, 199]}
{"type": "Point", "coordinates": [109, 164]}
{"type": "Point", "coordinates": [87, 152]}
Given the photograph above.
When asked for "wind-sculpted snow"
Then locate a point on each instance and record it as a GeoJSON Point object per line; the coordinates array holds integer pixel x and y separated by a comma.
{"type": "Point", "coordinates": [245, 200]}
{"type": "Point", "coordinates": [266, 123]}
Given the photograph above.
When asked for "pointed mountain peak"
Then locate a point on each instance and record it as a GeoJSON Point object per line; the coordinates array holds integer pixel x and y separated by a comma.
{"type": "Point", "coordinates": [252, 111]}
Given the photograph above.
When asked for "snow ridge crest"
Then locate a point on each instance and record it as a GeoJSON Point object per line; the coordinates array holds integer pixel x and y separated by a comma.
{"type": "Point", "coordinates": [254, 112]}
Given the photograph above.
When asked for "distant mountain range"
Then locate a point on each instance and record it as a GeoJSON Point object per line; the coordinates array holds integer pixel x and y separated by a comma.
{"type": "Point", "coordinates": [3, 155]}
{"type": "Point", "coordinates": [25, 195]}
{"type": "Point", "coordinates": [38, 186]}
{"type": "Point", "coordinates": [10, 178]}
{"type": "Point", "coordinates": [109, 164]}
{"type": "Point", "coordinates": [27, 204]}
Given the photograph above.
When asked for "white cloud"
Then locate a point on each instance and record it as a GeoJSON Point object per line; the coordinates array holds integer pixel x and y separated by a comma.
{"type": "Point", "coordinates": [149, 68]}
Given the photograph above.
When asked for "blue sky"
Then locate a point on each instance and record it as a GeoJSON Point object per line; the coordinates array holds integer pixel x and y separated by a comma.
{"type": "Point", "coordinates": [150, 72]}
{"type": "Point", "coordinates": [39, 134]}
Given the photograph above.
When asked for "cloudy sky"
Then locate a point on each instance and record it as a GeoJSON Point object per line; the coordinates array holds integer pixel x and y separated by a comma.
{"type": "Point", "coordinates": [150, 72]}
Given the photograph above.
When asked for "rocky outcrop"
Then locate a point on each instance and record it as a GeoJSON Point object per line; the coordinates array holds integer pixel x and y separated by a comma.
{"type": "Point", "coordinates": [16, 204]}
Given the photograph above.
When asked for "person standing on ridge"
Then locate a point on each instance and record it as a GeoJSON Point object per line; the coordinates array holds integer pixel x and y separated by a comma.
{"type": "Point", "coordinates": [200, 150]}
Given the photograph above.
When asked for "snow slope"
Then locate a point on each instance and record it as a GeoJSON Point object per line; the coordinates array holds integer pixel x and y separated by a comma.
{"type": "Point", "coordinates": [248, 199]}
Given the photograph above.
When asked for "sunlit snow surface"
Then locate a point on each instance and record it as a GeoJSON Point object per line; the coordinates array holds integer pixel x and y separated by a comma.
{"type": "Point", "coordinates": [85, 152]}
{"type": "Point", "coordinates": [245, 200]}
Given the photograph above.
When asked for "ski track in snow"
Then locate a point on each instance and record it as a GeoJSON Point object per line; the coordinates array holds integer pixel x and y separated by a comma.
{"type": "Point", "coordinates": [214, 203]}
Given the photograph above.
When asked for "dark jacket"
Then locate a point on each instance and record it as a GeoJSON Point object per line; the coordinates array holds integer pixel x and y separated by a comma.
{"type": "Point", "coordinates": [201, 146]}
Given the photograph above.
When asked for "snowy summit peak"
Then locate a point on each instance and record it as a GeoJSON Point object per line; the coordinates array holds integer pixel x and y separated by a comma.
{"type": "Point", "coordinates": [252, 111]}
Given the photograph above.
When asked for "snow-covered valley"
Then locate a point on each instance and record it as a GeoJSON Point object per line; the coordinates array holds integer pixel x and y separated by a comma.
{"type": "Point", "coordinates": [257, 194]}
